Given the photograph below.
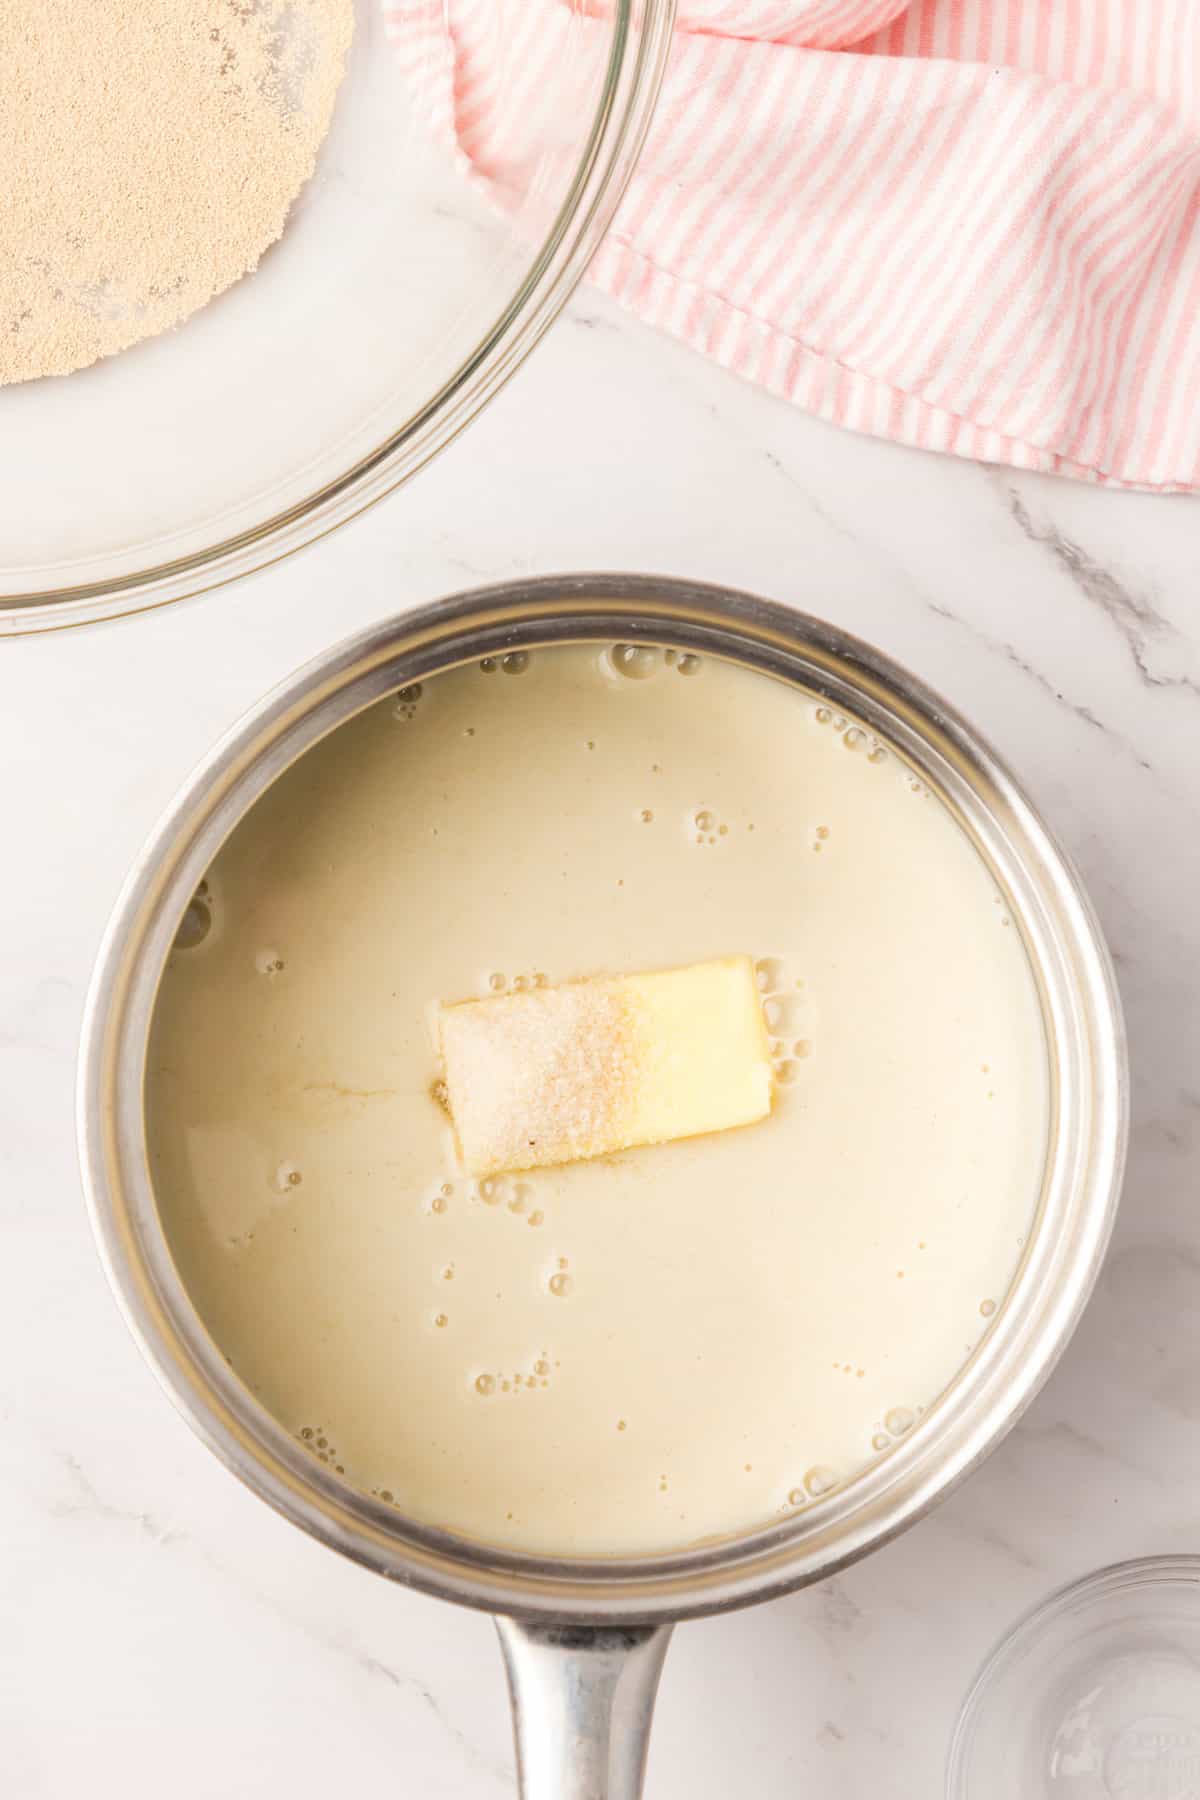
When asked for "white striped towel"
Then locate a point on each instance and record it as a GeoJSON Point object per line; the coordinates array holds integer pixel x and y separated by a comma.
{"type": "Point", "coordinates": [970, 225]}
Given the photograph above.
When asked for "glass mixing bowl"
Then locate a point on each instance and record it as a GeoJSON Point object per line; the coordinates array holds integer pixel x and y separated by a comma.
{"type": "Point", "coordinates": [398, 300]}
{"type": "Point", "coordinates": [1094, 1696]}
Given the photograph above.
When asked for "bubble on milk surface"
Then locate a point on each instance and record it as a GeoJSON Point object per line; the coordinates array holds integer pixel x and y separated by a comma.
{"type": "Point", "coordinates": [515, 1382]}
{"type": "Point", "coordinates": [819, 1480]}
{"type": "Point", "coordinates": [769, 974]}
{"type": "Point", "coordinates": [497, 982]}
{"type": "Point", "coordinates": [636, 662]}
{"type": "Point", "coordinates": [684, 662]}
{"type": "Point", "coordinates": [785, 1013]}
{"type": "Point", "coordinates": [855, 738]}
{"type": "Point", "coordinates": [197, 920]}
{"type": "Point", "coordinates": [706, 826]}
{"type": "Point", "coordinates": [316, 1440]}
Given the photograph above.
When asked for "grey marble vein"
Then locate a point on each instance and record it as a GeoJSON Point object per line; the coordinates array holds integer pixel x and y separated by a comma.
{"type": "Point", "coordinates": [839, 1613]}
{"type": "Point", "coordinates": [500, 1772]}
{"type": "Point", "coordinates": [86, 1502]}
{"type": "Point", "coordinates": [1008, 650]}
{"type": "Point", "coordinates": [1072, 1439]}
{"type": "Point", "coordinates": [1139, 624]}
{"type": "Point", "coordinates": [974, 1530]}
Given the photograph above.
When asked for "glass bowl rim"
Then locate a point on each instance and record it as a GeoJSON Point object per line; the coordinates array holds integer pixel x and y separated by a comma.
{"type": "Point", "coordinates": [1176, 1570]}
{"type": "Point", "coordinates": [637, 55]}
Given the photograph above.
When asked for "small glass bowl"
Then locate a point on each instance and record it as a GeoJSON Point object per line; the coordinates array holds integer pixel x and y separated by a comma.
{"type": "Point", "coordinates": [1095, 1695]}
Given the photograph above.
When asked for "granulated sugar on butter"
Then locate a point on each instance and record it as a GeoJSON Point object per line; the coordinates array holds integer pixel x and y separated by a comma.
{"type": "Point", "coordinates": [560, 1073]}
{"type": "Point", "coordinates": [149, 153]}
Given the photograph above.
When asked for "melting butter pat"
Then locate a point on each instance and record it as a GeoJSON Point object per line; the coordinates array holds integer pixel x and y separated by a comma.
{"type": "Point", "coordinates": [555, 1074]}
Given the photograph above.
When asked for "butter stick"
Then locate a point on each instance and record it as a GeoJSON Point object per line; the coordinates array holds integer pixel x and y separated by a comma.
{"type": "Point", "coordinates": [555, 1074]}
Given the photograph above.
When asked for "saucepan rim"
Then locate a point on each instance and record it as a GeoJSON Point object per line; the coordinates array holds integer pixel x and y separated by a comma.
{"type": "Point", "coordinates": [1043, 894]}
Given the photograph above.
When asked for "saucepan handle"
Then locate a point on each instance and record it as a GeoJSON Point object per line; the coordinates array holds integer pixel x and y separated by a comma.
{"type": "Point", "coordinates": [582, 1699]}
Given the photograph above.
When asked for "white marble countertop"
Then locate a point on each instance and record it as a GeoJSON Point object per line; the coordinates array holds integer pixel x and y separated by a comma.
{"type": "Point", "coordinates": [161, 1629]}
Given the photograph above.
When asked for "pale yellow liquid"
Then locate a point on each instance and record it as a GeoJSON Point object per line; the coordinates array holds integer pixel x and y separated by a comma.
{"type": "Point", "coordinates": [637, 1353]}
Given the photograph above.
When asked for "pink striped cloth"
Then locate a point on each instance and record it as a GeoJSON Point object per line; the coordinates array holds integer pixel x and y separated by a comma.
{"type": "Point", "coordinates": [970, 225]}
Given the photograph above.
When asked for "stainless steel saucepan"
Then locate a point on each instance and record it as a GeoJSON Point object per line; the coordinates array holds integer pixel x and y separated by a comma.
{"type": "Point", "coordinates": [583, 1640]}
